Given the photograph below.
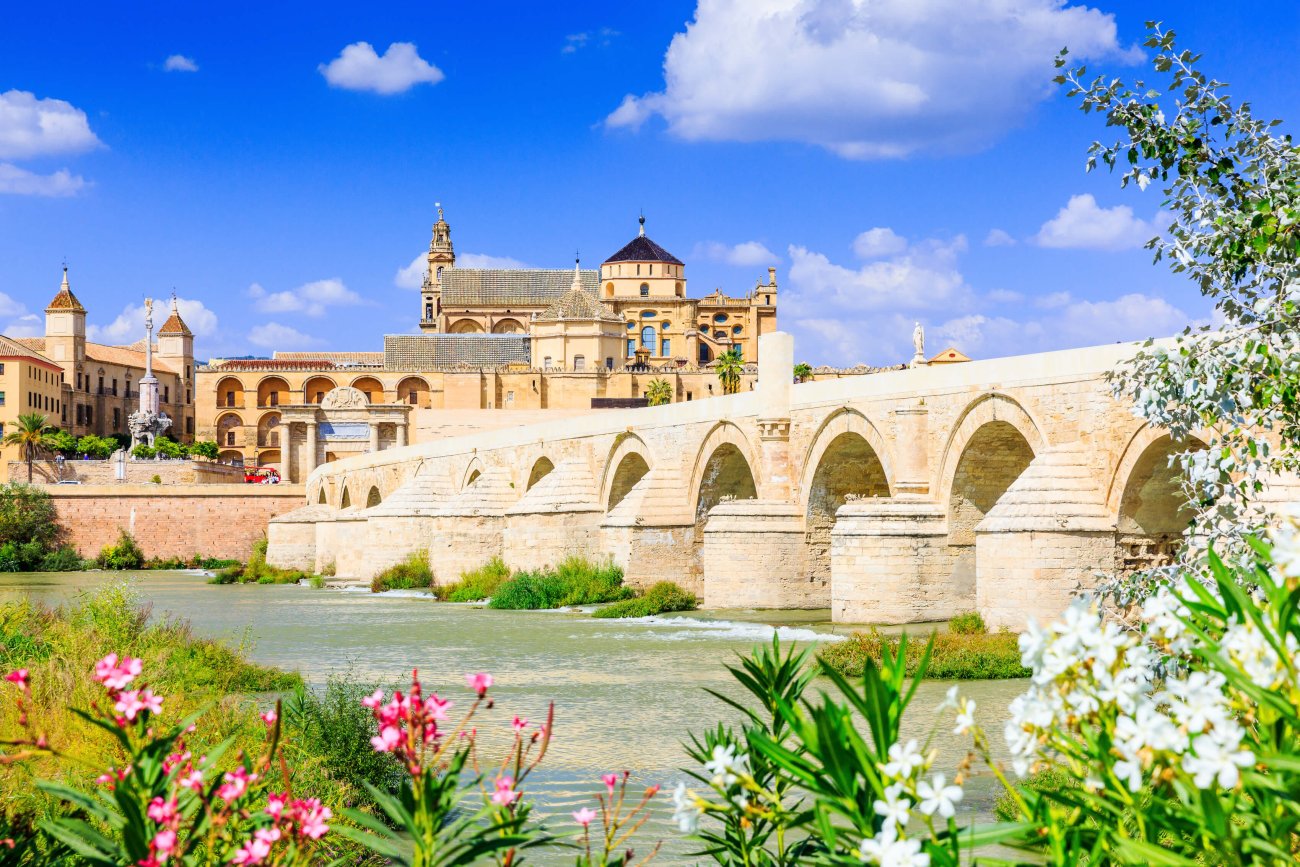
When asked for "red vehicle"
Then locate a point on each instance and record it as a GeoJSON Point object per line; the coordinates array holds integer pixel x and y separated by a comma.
{"type": "Point", "coordinates": [261, 476]}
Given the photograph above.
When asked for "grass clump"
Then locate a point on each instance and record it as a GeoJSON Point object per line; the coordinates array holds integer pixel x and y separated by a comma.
{"type": "Point", "coordinates": [956, 656]}
{"type": "Point", "coordinates": [258, 571]}
{"type": "Point", "coordinates": [970, 623]}
{"type": "Point", "coordinates": [575, 581]}
{"type": "Point", "coordinates": [1049, 779]}
{"type": "Point", "coordinates": [413, 573]}
{"type": "Point", "coordinates": [662, 597]}
{"type": "Point", "coordinates": [126, 554]}
{"type": "Point", "coordinates": [476, 584]}
{"type": "Point", "coordinates": [195, 561]}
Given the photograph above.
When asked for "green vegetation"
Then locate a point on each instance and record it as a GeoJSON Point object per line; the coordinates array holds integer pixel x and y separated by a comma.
{"type": "Point", "coordinates": [33, 435]}
{"type": "Point", "coordinates": [1049, 779]}
{"type": "Point", "coordinates": [803, 371]}
{"type": "Point", "coordinates": [659, 392]}
{"type": "Point", "coordinates": [662, 597]}
{"type": "Point", "coordinates": [970, 623]}
{"type": "Point", "coordinates": [65, 558]}
{"type": "Point", "coordinates": [195, 561]}
{"type": "Point", "coordinates": [957, 655]}
{"type": "Point", "coordinates": [126, 554]}
{"type": "Point", "coordinates": [413, 573]}
{"type": "Point", "coordinates": [476, 584]}
{"type": "Point", "coordinates": [258, 571]}
{"type": "Point", "coordinates": [575, 581]}
{"type": "Point", "coordinates": [729, 366]}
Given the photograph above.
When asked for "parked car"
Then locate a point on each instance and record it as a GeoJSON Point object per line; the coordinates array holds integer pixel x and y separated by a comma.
{"type": "Point", "coordinates": [261, 475]}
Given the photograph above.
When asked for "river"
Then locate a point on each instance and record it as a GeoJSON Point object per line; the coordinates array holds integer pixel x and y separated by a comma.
{"type": "Point", "coordinates": [626, 692]}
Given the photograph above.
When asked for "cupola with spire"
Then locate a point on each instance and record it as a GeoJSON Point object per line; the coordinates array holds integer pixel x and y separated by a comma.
{"type": "Point", "coordinates": [176, 343]}
{"type": "Point", "coordinates": [65, 325]}
{"type": "Point", "coordinates": [643, 269]}
{"type": "Point", "coordinates": [577, 332]}
{"type": "Point", "coordinates": [442, 255]}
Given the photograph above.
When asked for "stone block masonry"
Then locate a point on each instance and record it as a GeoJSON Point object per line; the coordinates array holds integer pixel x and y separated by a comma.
{"type": "Point", "coordinates": [172, 520]}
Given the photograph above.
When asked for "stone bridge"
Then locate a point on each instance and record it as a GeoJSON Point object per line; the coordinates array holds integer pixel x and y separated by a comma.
{"type": "Point", "coordinates": [914, 495]}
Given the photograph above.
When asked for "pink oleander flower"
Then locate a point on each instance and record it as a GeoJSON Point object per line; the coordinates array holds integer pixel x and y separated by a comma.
{"type": "Point", "coordinates": [480, 682]}
{"type": "Point", "coordinates": [174, 760]}
{"type": "Point", "coordinates": [252, 852]}
{"type": "Point", "coordinates": [387, 739]}
{"type": "Point", "coordinates": [164, 843]}
{"type": "Point", "coordinates": [130, 704]}
{"type": "Point", "coordinates": [504, 791]}
{"type": "Point", "coordinates": [275, 805]}
{"type": "Point", "coordinates": [311, 816]}
{"type": "Point", "coordinates": [192, 781]}
{"type": "Point", "coordinates": [610, 781]}
{"type": "Point", "coordinates": [18, 677]}
{"type": "Point", "coordinates": [519, 725]}
{"type": "Point", "coordinates": [267, 835]}
{"type": "Point", "coordinates": [114, 676]}
{"type": "Point", "coordinates": [585, 816]}
{"type": "Point", "coordinates": [435, 708]}
{"type": "Point", "coordinates": [269, 718]}
{"type": "Point", "coordinates": [235, 784]}
{"type": "Point", "coordinates": [162, 812]}
{"type": "Point", "coordinates": [374, 700]}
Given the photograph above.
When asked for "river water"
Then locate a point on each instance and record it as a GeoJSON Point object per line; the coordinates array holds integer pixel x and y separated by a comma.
{"type": "Point", "coordinates": [627, 693]}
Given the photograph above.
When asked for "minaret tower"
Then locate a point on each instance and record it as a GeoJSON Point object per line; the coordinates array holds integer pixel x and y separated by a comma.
{"type": "Point", "coordinates": [441, 255]}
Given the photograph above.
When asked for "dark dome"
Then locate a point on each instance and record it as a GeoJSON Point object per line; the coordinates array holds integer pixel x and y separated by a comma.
{"type": "Point", "coordinates": [642, 249]}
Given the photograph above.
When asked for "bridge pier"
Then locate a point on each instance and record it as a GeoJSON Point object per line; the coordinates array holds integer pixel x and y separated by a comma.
{"type": "Point", "coordinates": [557, 518]}
{"type": "Point", "coordinates": [468, 529]}
{"type": "Point", "coordinates": [753, 557]}
{"type": "Point", "coordinates": [891, 563]}
{"type": "Point", "coordinates": [291, 537]}
{"type": "Point", "coordinates": [347, 540]}
{"type": "Point", "coordinates": [402, 524]}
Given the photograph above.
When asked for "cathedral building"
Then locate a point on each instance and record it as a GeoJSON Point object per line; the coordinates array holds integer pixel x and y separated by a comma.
{"type": "Point", "coordinates": [642, 286]}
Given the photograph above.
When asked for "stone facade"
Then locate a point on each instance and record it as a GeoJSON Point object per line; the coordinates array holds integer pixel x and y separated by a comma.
{"type": "Point", "coordinates": [904, 496]}
{"type": "Point", "coordinates": [172, 521]}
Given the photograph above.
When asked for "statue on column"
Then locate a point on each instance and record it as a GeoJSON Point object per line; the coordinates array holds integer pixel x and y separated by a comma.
{"type": "Point", "coordinates": [149, 421]}
{"type": "Point", "coordinates": [918, 343]}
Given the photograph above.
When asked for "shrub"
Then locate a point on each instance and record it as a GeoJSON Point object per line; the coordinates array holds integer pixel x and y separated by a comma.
{"type": "Point", "coordinates": [96, 447]}
{"type": "Point", "coordinates": [970, 623]}
{"type": "Point", "coordinates": [143, 451]}
{"type": "Point", "coordinates": [205, 449]}
{"type": "Point", "coordinates": [662, 597]}
{"type": "Point", "coordinates": [126, 554]}
{"type": "Point", "coordinates": [575, 581]}
{"type": "Point", "coordinates": [168, 448]}
{"type": "Point", "coordinates": [413, 573]}
{"type": "Point", "coordinates": [62, 559]}
{"type": "Point", "coordinates": [256, 571]}
{"type": "Point", "coordinates": [156, 479]}
{"type": "Point", "coordinates": [27, 515]}
{"type": "Point", "coordinates": [476, 584]}
{"type": "Point", "coordinates": [956, 656]}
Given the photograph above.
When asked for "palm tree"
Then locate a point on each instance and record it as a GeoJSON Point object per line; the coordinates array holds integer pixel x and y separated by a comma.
{"type": "Point", "coordinates": [33, 434]}
{"type": "Point", "coordinates": [730, 365]}
{"type": "Point", "coordinates": [802, 371]}
{"type": "Point", "coordinates": [658, 392]}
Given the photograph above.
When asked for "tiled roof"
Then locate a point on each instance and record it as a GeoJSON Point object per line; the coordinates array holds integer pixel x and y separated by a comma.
{"type": "Point", "coordinates": [523, 287]}
{"type": "Point", "coordinates": [65, 300]}
{"type": "Point", "coordinates": [274, 364]}
{"type": "Point", "coordinates": [36, 343]}
{"type": "Point", "coordinates": [175, 325]}
{"type": "Point", "coordinates": [14, 348]}
{"type": "Point", "coordinates": [124, 356]}
{"type": "Point", "coordinates": [642, 249]}
{"type": "Point", "coordinates": [431, 351]}
{"type": "Point", "coordinates": [338, 358]}
{"type": "Point", "coordinates": [578, 304]}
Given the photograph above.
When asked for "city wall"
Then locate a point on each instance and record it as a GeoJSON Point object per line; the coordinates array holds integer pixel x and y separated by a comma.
{"type": "Point", "coordinates": [46, 472]}
{"type": "Point", "coordinates": [212, 520]}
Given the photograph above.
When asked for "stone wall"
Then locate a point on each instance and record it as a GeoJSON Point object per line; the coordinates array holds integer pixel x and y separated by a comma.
{"type": "Point", "coordinates": [172, 521]}
{"type": "Point", "coordinates": [137, 472]}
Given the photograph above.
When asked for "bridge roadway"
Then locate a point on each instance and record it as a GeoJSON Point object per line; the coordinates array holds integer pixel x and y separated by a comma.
{"type": "Point", "coordinates": [1002, 485]}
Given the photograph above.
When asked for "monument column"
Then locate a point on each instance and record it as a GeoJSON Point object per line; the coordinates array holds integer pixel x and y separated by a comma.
{"type": "Point", "coordinates": [311, 450]}
{"type": "Point", "coordinates": [374, 436]}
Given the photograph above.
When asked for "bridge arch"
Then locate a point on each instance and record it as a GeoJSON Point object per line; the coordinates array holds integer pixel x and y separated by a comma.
{"type": "Point", "coordinates": [1147, 500]}
{"type": "Point", "coordinates": [373, 498]}
{"type": "Point", "coordinates": [724, 466]}
{"type": "Point", "coordinates": [542, 468]}
{"type": "Point", "coordinates": [628, 462]}
{"type": "Point", "coordinates": [847, 457]}
{"type": "Point", "coordinates": [993, 408]}
{"type": "Point", "coordinates": [345, 501]}
{"type": "Point", "coordinates": [474, 469]}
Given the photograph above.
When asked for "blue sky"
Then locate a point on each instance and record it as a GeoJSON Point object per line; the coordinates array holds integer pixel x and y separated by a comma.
{"type": "Point", "coordinates": [896, 160]}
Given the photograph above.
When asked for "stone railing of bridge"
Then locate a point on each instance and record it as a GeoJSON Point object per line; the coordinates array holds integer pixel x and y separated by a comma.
{"type": "Point", "coordinates": [911, 495]}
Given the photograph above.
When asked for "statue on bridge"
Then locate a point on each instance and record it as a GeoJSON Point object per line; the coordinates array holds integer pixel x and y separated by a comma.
{"type": "Point", "coordinates": [918, 343]}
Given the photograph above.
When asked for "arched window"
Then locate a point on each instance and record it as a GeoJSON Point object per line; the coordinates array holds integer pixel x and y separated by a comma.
{"type": "Point", "coordinates": [645, 289]}
{"type": "Point", "coordinates": [439, 273]}
{"type": "Point", "coordinates": [648, 338]}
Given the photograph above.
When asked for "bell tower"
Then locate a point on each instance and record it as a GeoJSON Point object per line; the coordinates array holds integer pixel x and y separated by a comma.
{"type": "Point", "coordinates": [441, 255]}
{"type": "Point", "coordinates": [65, 328]}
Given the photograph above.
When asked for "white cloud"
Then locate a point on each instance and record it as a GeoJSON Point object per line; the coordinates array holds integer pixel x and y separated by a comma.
{"type": "Point", "coordinates": [25, 326]}
{"type": "Point", "coordinates": [310, 299]}
{"type": "Point", "coordinates": [20, 182]}
{"type": "Point", "coordinates": [999, 238]}
{"type": "Point", "coordinates": [398, 69]}
{"type": "Point", "coordinates": [866, 78]}
{"type": "Point", "coordinates": [1005, 296]}
{"type": "Point", "coordinates": [482, 260]}
{"type": "Point", "coordinates": [273, 335]}
{"type": "Point", "coordinates": [745, 254]}
{"type": "Point", "coordinates": [577, 41]}
{"type": "Point", "coordinates": [878, 242]}
{"type": "Point", "coordinates": [31, 127]}
{"type": "Point", "coordinates": [180, 63]}
{"type": "Point", "coordinates": [412, 276]}
{"type": "Point", "coordinates": [128, 327]}
{"type": "Point", "coordinates": [1084, 225]}
{"type": "Point", "coordinates": [10, 307]}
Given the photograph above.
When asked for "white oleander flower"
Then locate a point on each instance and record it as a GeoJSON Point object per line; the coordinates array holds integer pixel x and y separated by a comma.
{"type": "Point", "coordinates": [965, 717]}
{"type": "Point", "coordinates": [938, 797]}
{"type": "Point", "coordinates": [903, 760]}
{"type": "Point", "coordinates": [1217, 759]}
{"type": "Point", "coordinates": [1197, 701]}
{"type": "Point", "coordinates": [895, 808]}
{"type": "Point", "coordinates": [686, 809]}
{"type": "Point", "coordinates": [887, 849]}
{"type": "Point", "coordinates": [726, 766]}
{"type": "Point", "coordinates": [1248, 647]}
